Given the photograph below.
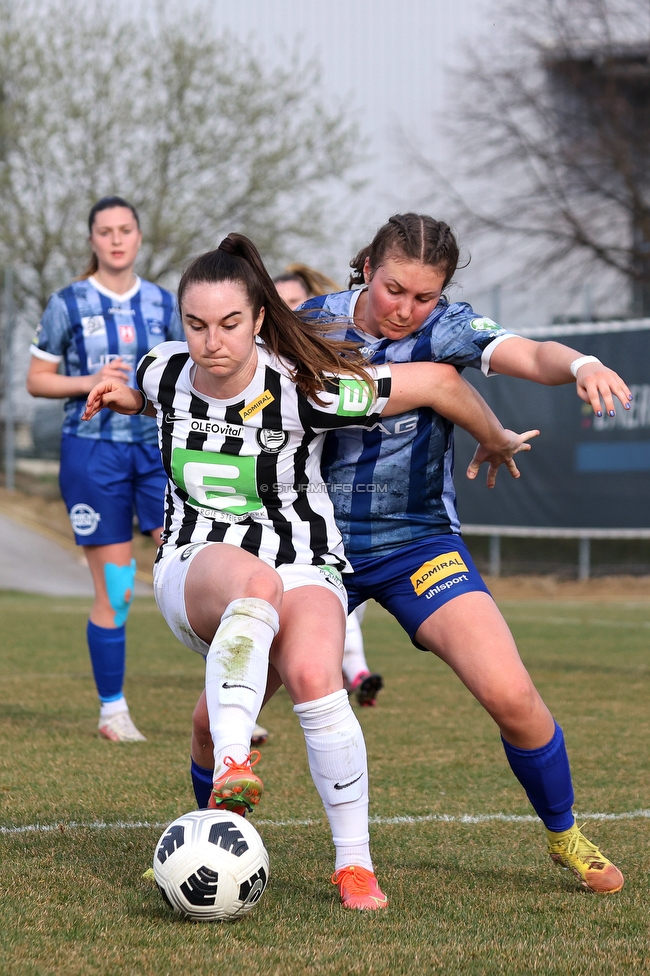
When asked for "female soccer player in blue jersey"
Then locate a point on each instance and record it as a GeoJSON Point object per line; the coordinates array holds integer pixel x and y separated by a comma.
{"type": "Point", "coordinates": [251, 561]}
{"type": "Point", "coordinates": [100, 326]}
{"type": "Point", "coordinates": [295, 285]}
{"type": "Point", "coordinates": [405, 544]}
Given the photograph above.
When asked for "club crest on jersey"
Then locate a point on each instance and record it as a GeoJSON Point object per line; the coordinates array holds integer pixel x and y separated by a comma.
{"type": "Point", "coordinates": [485, 324]}
{"type": "Point", "coordinates": [256, 405]}
{"type": "Point", "coordinates": [271, 441]}
{"type": "Point", "coordinates": [127, 333]}
{"type": "Point", "coordinates": [354, 398]}
{"type": "Point", "coordinates": [437, 569]}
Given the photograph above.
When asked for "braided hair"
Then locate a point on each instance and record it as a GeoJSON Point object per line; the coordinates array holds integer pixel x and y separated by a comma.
{"type": "Point", "coordinates": [416, 237]}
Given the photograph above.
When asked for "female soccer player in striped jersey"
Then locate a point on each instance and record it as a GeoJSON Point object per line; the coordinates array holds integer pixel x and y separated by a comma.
{"type": "Point", "coordinates": [252, 559]}
{"type": "Point", "coordinates": [405, 546]}
{"type": "Point", "coordinates": [100, 326]}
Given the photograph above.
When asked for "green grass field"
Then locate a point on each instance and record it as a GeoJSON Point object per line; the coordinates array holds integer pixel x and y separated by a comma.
{"type": "Point", "coordinates": [473, 897]}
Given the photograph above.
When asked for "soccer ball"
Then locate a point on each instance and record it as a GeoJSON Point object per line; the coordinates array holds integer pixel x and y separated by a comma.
{"type": "Point", "coordinates": [211, 864]}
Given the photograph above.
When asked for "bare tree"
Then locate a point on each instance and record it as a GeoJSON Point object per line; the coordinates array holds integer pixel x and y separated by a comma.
{"type": "Point", "coordinates": [553, 123]}
{"type": "Point", "coordinates": [200, 135]}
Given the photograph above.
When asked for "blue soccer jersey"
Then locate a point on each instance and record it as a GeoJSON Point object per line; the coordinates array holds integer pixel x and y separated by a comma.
{"type": "Point", "coordinates": [393, 484]}
{"type": "Point", "coordinates": [87, 326]}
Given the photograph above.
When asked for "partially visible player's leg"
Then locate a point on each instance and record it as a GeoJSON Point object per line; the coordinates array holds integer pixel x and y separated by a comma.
{"type": "Point", "coordinates": [229, 607]}
{"type": "Point", "coordinates": [364, 684]}
{"type": "Point", "coordinates": [469, 633]}
{"type": "Point", "coordinates": [113, 571]}
{"type": "Point", "coordinates": [96, 481]}
{"type": "Point", "coordinates": [202, 749]}
{"type": "Point", "coordinates": [307, 657]}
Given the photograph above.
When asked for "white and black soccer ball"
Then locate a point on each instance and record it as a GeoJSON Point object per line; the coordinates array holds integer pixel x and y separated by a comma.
{"type": "Point", "coordinates": [211, 864]}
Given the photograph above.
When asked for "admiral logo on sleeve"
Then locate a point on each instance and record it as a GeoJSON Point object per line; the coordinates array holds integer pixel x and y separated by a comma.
{"type": "Point", "coordinates": [437, 569]}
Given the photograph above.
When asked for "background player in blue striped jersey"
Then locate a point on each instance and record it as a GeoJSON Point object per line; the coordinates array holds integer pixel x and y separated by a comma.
{"type": "Point", "coordinates": [100, 326]}
{"type": "Point", "coordinates": [405, 545]}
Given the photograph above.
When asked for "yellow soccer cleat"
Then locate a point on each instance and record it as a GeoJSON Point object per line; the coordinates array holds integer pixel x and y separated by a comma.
{"type": "Point", "coordinates": [570, 849]}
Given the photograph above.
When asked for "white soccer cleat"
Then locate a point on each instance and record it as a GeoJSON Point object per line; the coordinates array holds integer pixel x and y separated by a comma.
{"type": "Point", "coordinates": [259, 736]}
{"type": "Point", "coordinates": [120, 728]}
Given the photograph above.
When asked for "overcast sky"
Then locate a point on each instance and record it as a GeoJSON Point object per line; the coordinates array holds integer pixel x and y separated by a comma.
{"type": "Point", "coordinates": [390, 64]}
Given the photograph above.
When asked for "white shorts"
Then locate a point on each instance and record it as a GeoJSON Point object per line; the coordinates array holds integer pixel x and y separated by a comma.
{"type": "Point", "coordinates": [169, 588]}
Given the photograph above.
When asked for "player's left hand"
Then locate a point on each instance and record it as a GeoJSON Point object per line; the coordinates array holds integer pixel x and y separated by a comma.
{"type": "Point", "coordinates": [513, 444]}
{"type": "Point", "coordinates": [597, 384]}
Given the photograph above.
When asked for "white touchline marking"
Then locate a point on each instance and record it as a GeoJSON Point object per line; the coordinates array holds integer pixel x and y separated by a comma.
{"type": "Point", "coordinates": [463, 818]}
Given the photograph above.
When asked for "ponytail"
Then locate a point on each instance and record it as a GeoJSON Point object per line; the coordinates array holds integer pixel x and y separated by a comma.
{"type": "Point", "coordinates": [287, 335]}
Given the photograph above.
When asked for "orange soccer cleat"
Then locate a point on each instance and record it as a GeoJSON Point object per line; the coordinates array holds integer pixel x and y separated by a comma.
{"type": "Point", "coordinates": [238, 788]}
{"type": "Point", "coordinates": [359, 889]}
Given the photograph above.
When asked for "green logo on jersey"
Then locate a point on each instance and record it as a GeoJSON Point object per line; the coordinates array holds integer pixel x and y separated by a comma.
{"type": "Point", "coordinates": [223, 482]}
{"type": "Point", "coordinates": [485, 325]}
{"type": "Point", "coordinates": [355, 398]}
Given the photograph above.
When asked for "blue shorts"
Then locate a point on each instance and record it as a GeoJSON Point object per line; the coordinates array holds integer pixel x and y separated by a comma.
{"type": "Point", "coordinates": [104, 482]}
{"type": "Point", "coordinates": [414, 581]}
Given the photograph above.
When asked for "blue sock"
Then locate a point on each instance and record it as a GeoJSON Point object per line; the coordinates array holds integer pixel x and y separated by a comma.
{"type": "Point", "coordinates": [545, 775]}
{"type": "Point", "coordinates": [202, 783]}
{"type": "Point", "coordinates": [107, 646]}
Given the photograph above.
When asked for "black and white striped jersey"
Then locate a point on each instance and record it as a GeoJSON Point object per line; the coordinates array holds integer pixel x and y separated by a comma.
{"type": "Point", "coordinates": [246, 471]}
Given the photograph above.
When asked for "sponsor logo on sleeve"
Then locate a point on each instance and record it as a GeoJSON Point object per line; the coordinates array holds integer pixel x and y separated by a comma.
{"type": "Point", "coordinates": [355, 398]}
{"type": "Point", "coordinates": [437, 569]}
{"type": "Point", "coordinates": [484, 324]}
{"type": "Point", "coordinates": [256, 405]}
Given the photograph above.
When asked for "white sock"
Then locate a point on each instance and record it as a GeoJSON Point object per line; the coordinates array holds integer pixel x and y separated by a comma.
{"type": "Point", "coordinates": [113, 707]}
{"type": "Point", "coordinates": [236, 669]}
{"type": "Point", "coordinates": [339, 768]}
{"type": "Point", "coordinates": [354, 658]}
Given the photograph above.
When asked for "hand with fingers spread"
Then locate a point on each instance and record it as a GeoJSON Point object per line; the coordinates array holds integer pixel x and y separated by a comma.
{"type": "Point", "coordinates": [597, 384]}
{"type": "Point", "coordinates": [116, 396]}
{"type": "Point", "coordinates": [513, 444]}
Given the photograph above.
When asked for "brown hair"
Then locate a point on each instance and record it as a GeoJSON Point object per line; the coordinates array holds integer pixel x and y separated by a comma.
{"type": "Point", "coordinates": [106, 203]}
{"type": "Point", "coordinates": [283, 332]}
{"type": "Point", "coordinates": [415, 237]}
{"type": "Point", "coordinates": [314, 282]}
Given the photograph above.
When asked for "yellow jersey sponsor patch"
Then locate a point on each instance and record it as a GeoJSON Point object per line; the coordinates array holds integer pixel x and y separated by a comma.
{"type": "Point", "coordinates": [256, 405]}
{"type": "Point", "coordinates": [437, 569]}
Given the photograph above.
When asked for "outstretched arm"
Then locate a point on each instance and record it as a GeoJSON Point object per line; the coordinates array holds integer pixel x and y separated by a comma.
{"type": "Point", "coordinates": [550, 363]}
{"type": "Point", "coordinates": [443, 389]}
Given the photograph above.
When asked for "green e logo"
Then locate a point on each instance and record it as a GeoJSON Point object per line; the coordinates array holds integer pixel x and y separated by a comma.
{"type": "Point", "coordinates": [224, 482]}
{"type": "Point", "coordinates": [354, 398]}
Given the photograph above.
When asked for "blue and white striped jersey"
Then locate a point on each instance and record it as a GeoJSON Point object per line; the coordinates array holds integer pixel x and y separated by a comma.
{"type": "Point", "coordinates": [87, 326]}
{"type": "Point", "coordinates": [394, 484]}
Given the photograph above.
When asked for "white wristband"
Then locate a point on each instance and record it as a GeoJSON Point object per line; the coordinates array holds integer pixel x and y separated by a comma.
{"type": "Point", "coordinates": [577, 363]}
